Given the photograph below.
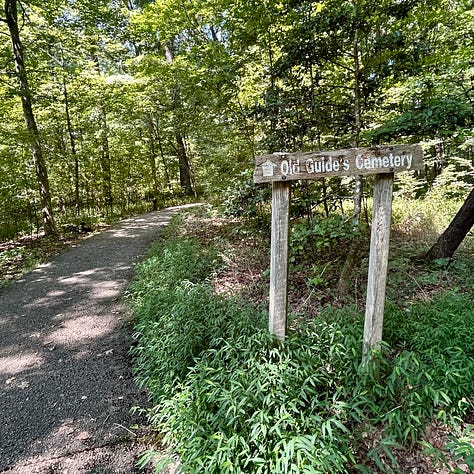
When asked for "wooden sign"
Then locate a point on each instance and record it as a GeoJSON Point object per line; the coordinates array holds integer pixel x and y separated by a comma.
{"type": "Point", "coordinates": [350, 162]}
{"type": "Point", "coordinates": [282, 168]}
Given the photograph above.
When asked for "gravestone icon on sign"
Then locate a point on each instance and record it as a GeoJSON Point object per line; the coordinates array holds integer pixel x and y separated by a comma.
{"type": "Point", "coordinates": [267, 168]}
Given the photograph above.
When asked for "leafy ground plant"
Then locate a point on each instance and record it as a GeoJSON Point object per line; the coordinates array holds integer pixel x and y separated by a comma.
{"type": "Point", "coordinates": [230, 399]}
{"type": "Point", "coordinates": [177, 315]}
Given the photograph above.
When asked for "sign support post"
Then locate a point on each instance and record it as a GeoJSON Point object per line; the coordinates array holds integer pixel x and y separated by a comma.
{"type": "Point", "coordinates": [378, 262]}
{"type": "Point", "coordinates": [281, 191]}
{"type": "Point", "coordinates": [281, 168]}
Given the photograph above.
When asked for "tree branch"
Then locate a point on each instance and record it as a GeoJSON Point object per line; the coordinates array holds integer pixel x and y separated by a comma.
{"type": "Point", "coordinates": [343, 66]}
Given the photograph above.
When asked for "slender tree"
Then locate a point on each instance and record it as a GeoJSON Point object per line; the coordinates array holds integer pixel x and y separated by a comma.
{"type": "Point", "coordinates": [72, 142]}
{"type": "Point", "coordinates": [185, 172]}
{"type": "Point", "coordinates": [152, 155]}
{"type": "Point", "coordinates": [105, 160]}
{"type": "Point", "coordinates": [352, 256]}
{"type": "Point", "coordinates": [11, 19]}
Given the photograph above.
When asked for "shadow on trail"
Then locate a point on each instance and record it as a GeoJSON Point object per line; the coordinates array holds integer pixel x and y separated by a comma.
{"type": "Point", "coordinates": [65, 381]}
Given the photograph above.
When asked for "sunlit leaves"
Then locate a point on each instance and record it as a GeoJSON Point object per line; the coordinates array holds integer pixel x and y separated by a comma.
{"type": "Point", "coordinates": [245, 76]}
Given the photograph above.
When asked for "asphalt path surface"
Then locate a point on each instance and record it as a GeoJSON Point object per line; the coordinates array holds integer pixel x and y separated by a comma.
{"type": "Point", "coordinates": [66, 387]}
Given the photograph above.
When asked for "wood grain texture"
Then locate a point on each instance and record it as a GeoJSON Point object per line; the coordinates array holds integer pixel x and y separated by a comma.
{"type": "Point", "coordinates": [279, 259]}
{"type": "Point", "coordinates": [378, 261]}
{"type": "Point", "coordinates": [349, 162]}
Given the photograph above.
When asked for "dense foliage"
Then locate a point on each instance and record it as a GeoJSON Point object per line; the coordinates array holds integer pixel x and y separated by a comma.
{"type": "Point", "coordinates": [140, 102]}
{"type": "Point", "coordinates": [229, 398]}
{"type": "Point", "coordinates": [112, 107]}
{"type": "Point", "coordinates": [169, 289]}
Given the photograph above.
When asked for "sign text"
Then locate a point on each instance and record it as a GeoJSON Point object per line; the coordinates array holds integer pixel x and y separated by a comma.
{"type": "Point", "coordinates": [350, 162]}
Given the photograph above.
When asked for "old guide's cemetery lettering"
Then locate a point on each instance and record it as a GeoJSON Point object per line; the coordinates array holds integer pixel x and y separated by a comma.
{"type": "Point", "coordinates": [321, 165]}
{"type": "Point", "coordinates": [351, 162]}
{"type": "Point", "coordinates": [281, 168]}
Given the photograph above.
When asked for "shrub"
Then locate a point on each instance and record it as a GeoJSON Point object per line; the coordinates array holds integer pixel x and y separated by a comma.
{"type": "Point", "coordinates": [319, 235]}
{"type": "Point", "coordinates": [251, 405]}
{"type": "Point", "coordinates": [177, 316]}
{"type": "Point", "coordinates": [180, 324]}
{"type": "Point", "coordinates": [245, 198]}
{"type": "Point", "coordinates": [170, 263]}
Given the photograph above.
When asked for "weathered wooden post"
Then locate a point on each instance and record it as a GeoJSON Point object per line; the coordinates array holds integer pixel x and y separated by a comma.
{"type": "Point", "coordinates": [378, 262]}
{"type": "Point", "coordinates": [279, 258]}
{"type": "Point", "coordinates": [281, 168]}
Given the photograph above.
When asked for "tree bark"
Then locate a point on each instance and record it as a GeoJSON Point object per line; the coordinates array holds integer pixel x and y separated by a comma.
{"type": "Point", "coordinates": [163, 158]}
{"type": "Point", "coordinates": [343, 286]}
{"type": "Point", "coordinates": [72, 142]}
{"type": "Point", "coordinates": [154, 175]}
{"type": "Point", "coordinates": [105, 163]}
{"type": "Point", "coordinates": [11, 18]}
{"type": "Point", "coordinates": [185, 172]}
{"type": "Point", "coordinates": [449, 241]}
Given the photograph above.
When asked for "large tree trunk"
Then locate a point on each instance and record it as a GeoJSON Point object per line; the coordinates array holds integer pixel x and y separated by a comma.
{"type": "Point", "coordinates": [186, 177]}
{"type": "Point", "coordinates": [11, 18]}
{"type": "Point", "coordinates": [452, 237]}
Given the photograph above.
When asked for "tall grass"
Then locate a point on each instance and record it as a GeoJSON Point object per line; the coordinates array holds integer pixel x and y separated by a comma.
{"type": "Point", "coordinates": [424, 219]}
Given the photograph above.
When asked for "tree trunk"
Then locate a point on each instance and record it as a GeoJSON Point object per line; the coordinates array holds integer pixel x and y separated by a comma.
{"type": "Point", "coordinates": [343, 287]}
{"type": "Point", "coordinates": [105, 161]}
{"type": "Point", "coordinates": [72, 142]}
{"type": "Point", "coordinates": [11, 18]}
{"type": "Point", "coordinates": [163, 158]}
{"type": "Point", "coordinates": [452, 237]}
{"type": "Point", "coordinates": [185, 173]}
{"type": "Point", "coordinates": [154, 175]}
{"type": "Point", "coordinates": [352, 256]}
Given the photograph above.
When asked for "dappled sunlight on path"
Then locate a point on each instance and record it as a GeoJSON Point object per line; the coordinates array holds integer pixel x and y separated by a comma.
{"type": "Point", "coordinates": [66, 387]}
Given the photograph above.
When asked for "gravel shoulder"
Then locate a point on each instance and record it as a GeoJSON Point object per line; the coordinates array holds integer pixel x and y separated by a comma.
{"type": "Point", "coordinates": [66, 387]}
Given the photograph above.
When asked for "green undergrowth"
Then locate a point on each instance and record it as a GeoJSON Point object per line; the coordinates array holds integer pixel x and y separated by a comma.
{"type": "Point", "coordinates": [177, 314]}
{"type": "Point", "coordinates": [16, 261]}
{"type": "Point", "coordinates": [228, 398]}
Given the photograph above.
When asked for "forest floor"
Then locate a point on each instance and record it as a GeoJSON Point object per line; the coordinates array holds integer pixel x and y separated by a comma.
{"type": "Point", "coordinates": [66, 385]}
{"type": "Point", "coordinates": [313, 278]}
{"type": "Point", "coordinates": [47, 355]}
{"type": "Point", "coordinates": [313, 284]}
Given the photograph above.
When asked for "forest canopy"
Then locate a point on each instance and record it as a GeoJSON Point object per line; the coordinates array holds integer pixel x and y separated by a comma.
{"type": "Point", "coordinates": [138, 103]}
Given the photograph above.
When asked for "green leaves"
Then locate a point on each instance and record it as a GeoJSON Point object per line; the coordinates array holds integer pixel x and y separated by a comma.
{"type": "Point", "coordinates": [177, 316]}
{"type": "Point", "coordinates": [229, 399]}
{"type": "Point", "coordinates": [319, 237]}
{"type": "Point", "coordinates": [243, 406]}
{"type": "Point", "coordinates": [246, 76]}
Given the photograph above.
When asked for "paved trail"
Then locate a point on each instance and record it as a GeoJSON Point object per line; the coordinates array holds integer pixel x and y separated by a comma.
{"type": "Point", "coordinates": [66, 387]}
